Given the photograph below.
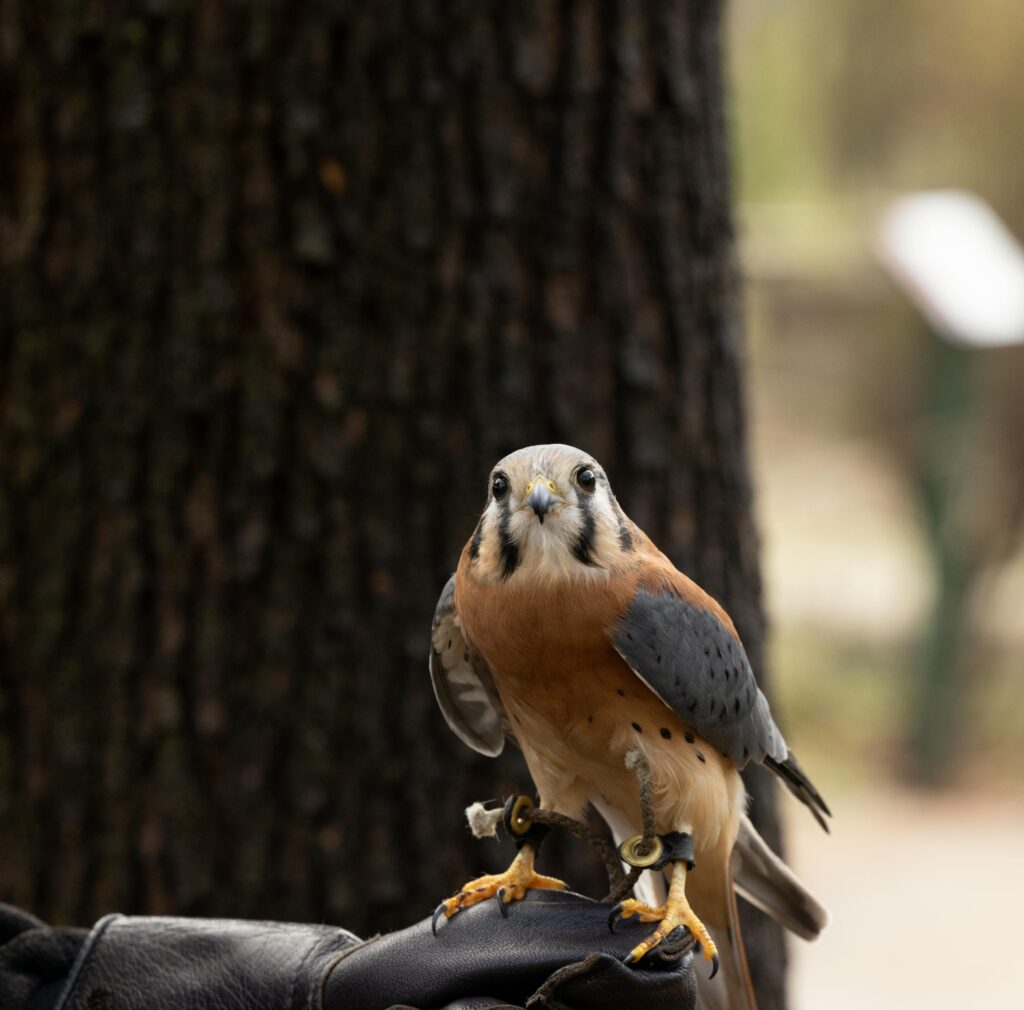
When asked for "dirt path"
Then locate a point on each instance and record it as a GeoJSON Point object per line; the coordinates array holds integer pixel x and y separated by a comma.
{"type": "Point", "coordinates": [925, 895]}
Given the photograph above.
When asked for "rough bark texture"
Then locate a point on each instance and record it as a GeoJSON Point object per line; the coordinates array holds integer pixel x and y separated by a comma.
{"type": "Point", "coordinates": [281, 282]}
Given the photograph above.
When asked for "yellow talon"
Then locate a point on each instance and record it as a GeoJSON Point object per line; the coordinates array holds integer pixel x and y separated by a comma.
{"type": "Point", "coordinates": [510, 886]}
{"type": "Point", "coordinates": [645, 913]}
{"type": "Point", "coordinates": [675, 912]}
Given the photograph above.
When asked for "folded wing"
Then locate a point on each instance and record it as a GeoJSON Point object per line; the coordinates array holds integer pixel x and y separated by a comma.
{"type": "Point", "coordinates": [463, 684]}
{"type": "Point", "coordinates": [694, 662]}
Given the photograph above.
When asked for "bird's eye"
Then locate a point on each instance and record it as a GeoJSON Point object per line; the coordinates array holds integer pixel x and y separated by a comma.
{"type": "Point", "coordinates": [499, 486]}
{"type": "Point", "coordinates": [586, 478]}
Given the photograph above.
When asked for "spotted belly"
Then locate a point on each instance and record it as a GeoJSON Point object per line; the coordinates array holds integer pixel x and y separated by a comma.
{"type": "Point", "coordinates": [576, 742]}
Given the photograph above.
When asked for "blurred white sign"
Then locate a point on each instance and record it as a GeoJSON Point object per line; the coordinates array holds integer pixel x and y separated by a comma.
{"type": "Point", "coordinates": [958, 263]}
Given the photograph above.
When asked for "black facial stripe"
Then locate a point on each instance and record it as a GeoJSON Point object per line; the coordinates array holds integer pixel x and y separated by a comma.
{"type": "Point", "coordinates": [625, 537]}
{"type": "Point", "coordinates": [474, 544]}
{"type": "Point", "coordinates": [509, 548]}
{"type": "Point", "coordinates": [509, 555]}
{"type": "Point", "coordinates": [585, 540]}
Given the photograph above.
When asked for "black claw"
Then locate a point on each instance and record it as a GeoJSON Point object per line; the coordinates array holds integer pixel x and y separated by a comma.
{"type": "Point", "coordinates": [714, 966]}
{"type": "Point", "coordinates": [501, 902]}
{"type": "Point", "coordinates": [613, 915]}
{"type": "Point", "coordinates": [438, 912]}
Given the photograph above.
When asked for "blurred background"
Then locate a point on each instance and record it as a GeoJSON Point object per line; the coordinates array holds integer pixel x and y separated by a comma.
{"type": "Point", "coordinates": [837, 109]}
{"type": "Point", "coordinates": [281, 283]}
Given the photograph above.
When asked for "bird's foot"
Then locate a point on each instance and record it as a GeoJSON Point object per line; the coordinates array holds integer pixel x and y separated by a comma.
{"type": "Point", "coordinates": [509, 886]}
{"type": "Point", "coordinates": [668, 917]}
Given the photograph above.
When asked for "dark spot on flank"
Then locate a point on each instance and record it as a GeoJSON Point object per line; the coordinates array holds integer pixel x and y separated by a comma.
{"type": "Point", "coordinates": [700, 757]}
{"type": "Point", "coordinates": [688, 736]}
{"type": "Point", "coordinates": [465, 657]}
{"type": "Point", "coordinates": [719, 651]}
{"type": "Point", "coordinates": [722, 712]}
{"type": "Point", "coordinates": [637, 727]}
{"type": "Point", "coordinates": [620, 692]}
{"type": "Point", "coordinates": [666, 733]}
{"type": "Point", "coordinates": [746, 753]}
{"type": "Point", "coordinates": [712, 671]}
{"type": "Point", "coordinates": [692, 705]}
{"type": "Point", "coordinates": [707, 651]}
{"type": "Point", "coordinates": [736, 707]}
{"type": "Point", "coordinates": [449, 643]}
{"type": "Point", "coordinates": [590, 718]}
{"type": "Point", "coordinates": [659, 661]}
{"type": "Point", "coordinates": [629, 636]}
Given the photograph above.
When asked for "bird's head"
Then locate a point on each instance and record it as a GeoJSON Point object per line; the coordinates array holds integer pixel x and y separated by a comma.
{"type": "Point", "coordinates": [550, 515]}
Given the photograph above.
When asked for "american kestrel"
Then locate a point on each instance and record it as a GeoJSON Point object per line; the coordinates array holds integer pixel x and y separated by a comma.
{"type": "Point", "coordinates": [566, 630]}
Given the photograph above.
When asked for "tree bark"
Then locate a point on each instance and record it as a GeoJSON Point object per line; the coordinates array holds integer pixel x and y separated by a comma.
{"type": "Point", "coordinates": [282, 282]}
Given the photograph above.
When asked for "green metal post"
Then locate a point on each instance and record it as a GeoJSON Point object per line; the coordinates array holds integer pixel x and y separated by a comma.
{"type": "Point", "coordinates": [942, 662]}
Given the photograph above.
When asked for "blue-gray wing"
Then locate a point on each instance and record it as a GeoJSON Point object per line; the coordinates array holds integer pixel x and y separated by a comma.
{"type": "Point", "coordinates": [692, 661]}
{"type": "Point", "coordinates": [463, 684]}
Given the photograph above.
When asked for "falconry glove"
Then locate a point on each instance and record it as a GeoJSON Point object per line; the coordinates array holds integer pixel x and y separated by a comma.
{"type": "Point", "coordinates": [34, 959]}
{"type": "Point", "coordinates": [552, 951]}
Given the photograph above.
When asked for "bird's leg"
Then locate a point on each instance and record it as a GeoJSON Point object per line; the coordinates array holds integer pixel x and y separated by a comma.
{"type": "Point", "coordinates": [675, 912]}
{"type": "Point", "coordinates": [509, 886]}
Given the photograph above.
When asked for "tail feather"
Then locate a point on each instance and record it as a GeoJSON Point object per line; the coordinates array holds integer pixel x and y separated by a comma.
{"type": "Point", "coordinates": [737, 993]}
{"type": "Point", "coordinates": [770, 885]}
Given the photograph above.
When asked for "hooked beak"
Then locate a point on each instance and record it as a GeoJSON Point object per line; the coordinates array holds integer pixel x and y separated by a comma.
{"type": "Point", "coordinates": [541, 500]}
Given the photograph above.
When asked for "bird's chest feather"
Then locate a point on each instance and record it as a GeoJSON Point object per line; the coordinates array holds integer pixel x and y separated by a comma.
{"type": "Point", "coordinates": [532, 632]}
{"type": "Point", "coordinates": [549, 648]}
{"type": "Point", "coordinates": [577, 709]}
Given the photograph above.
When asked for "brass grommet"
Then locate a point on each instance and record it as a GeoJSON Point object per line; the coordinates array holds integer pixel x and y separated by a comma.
{"type": "Point", "coordinates": [629, 851]}
{"type": "Point", "coordinates": [520, 820]}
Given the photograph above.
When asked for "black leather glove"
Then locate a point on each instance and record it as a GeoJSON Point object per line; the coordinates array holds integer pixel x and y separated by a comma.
{"type": "Point", "coordinates": [553, 948]}
{"type": "Point", "coordinates": [34, 959]}
{"type": "Point", "coordinates": [553, 943]}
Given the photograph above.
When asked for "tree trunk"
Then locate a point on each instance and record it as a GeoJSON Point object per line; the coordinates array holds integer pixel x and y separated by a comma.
{"type": "Point", "coordinates": [283, 281]}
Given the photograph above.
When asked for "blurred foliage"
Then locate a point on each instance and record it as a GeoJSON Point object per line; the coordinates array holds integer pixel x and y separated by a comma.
{"type": "Point", "coordinates": [840, 97]}
{"type": "Point", "coordinates": [836, 108]}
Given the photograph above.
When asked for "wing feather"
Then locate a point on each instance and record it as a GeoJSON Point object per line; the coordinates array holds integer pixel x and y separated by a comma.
{"type": "Point", "coordinates": [691, 658]}
{"type": "Point", "coordinates": [462, 681]}
{"type": "Point", "coordinates": [694, 663]}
